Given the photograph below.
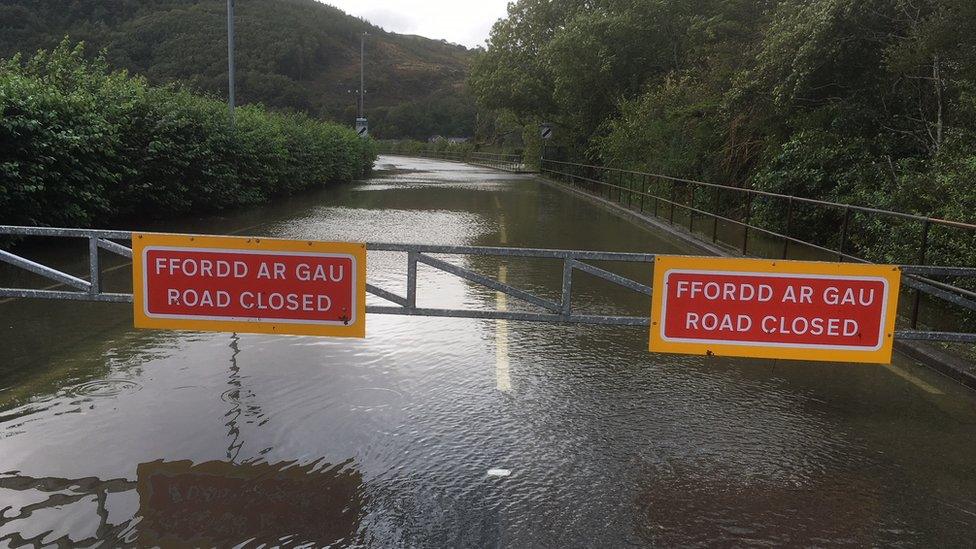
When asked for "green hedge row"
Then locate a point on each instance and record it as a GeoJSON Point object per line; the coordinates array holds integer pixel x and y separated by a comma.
{"type": "Point", "coordinates": [83, 146]}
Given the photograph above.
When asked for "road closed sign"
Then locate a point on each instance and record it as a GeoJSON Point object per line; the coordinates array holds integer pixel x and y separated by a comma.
{"type": "Point", "coordinates": [250, 285]}
{"type": "Point", "coordinates": [796, 310]}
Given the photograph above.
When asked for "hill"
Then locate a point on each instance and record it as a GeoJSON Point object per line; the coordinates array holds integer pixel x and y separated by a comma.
{"type": "Point", "coordinates": [292, 54]}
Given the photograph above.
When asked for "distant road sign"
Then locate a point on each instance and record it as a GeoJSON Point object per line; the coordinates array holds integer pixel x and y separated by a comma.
{"type": "Point", "coordinates": [257, 285]}
{"type": "Point", "coordinates": [545, 130]}
{"type": "Point", "coordinates": [797, 310]}
{"type": "Point", "coordinates": [362, 127]}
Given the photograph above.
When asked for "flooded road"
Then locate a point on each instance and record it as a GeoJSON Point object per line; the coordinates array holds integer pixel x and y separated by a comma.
{"type": "Point", "coordinates": [454, 432]}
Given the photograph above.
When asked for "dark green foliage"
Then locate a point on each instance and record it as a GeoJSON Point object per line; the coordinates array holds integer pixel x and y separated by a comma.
{"type": "Point", "coordinates": [866, 102]}
{"type": "Point", "coordinates": [292, 54]}
{"type": "Point", "coordinates": [82, 146]}
{"type": "Point", "coordinates": [413, 147]}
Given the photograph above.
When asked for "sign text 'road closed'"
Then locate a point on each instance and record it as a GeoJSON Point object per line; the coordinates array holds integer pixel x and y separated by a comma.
{"type": "Point", "coordinates": [255, 285]}
{"type": "Point", "coordinates": [774, 309]}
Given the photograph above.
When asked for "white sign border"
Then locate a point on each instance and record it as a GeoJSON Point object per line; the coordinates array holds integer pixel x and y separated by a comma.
{"type": "Point", "coordinates": [145, 287]}
{"type": "Point", "coordinates": [884, 311]}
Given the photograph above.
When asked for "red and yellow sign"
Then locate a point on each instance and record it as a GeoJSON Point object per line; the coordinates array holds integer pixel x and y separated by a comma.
{"type": "Point", "coordinates": [798, 310]}
{"type": "Point", "coordinates": [256, 285]}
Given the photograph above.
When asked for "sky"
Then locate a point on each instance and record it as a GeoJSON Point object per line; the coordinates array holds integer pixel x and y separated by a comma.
{"type": "Point", "coordinates": [465, 22]}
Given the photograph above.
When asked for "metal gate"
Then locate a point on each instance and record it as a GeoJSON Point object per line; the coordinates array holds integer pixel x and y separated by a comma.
{"type": "Point", "coordinates": [78, 287]}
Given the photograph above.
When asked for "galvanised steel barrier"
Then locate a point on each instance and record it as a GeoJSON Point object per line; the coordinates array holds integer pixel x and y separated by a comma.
{"type": "Point", "coordinates": [546, 310]}
{"type": "Point", "coordinates": [514, 163]}
{"type": "Point", "coordinates": [641, 191]}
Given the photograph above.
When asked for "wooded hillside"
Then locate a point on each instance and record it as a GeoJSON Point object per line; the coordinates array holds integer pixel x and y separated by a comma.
{"type": "Point", "coordinates": [860, 101]}
{"type": "Point", "coordinates": [292, 54]}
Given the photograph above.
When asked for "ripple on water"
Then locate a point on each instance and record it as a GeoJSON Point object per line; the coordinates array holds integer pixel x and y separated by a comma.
{"type": "Point", "coordinates": [105, 388]}
{"type": "Point", "coordinates": [373, 398]}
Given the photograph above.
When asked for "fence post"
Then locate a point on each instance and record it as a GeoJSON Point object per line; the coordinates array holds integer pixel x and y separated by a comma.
{"type": "Point", "coordinates": [843, 234]}
{"type": "Point", "coordinates": [671, 215]}
{"type": "Point", "coordinates": [93, 268]}
{"type": "Point", "coordinates": [745, 226]}
{"type": "Point", "coordinates": [620, 182]}
{"type": "Point", "coordinates": [718, 192]}
{"type": "Point", "coordinates": [789, 222]}
{"type": "Point", "coordinates": [691, 208]}
{"type": "Point", "coordinates": [630, 191]}
{"type": "Point", "coordinates": [922, 251]}
{"type": "Point", "coordinates": [656, 200]}
{"type": "Point", "coordinates": [412, 280]}
{"type": "Point", "coordinates": [620, 187]}
{"type": "Point", "coordinates": [643, 191]}
{"type": "Point", "coordinates": [566, 308]}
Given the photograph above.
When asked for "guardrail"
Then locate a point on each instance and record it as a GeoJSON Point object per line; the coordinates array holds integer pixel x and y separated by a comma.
{"type": "Point", "coordinates": [547, 310]}
{"type": "Point", "coordinates": [667, 197]}
{"type": "Point", "coordinates": [508, 162]}
{"type": "Point", "coordinates": [514, 163]}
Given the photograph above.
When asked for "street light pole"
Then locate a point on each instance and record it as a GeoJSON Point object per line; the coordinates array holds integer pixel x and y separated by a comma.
{"type": "Point", "coordinates": [362, 76]}
{"type": "Point", "coordinates": [362, 126]}
{"type": "Point", "coordinates": [230, 62]}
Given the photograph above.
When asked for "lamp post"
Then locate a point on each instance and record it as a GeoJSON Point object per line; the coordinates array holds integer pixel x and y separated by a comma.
{"type": "Point", "coordinates": [362, 76]}
{"type": "Point", "coordinates": [230, 62]}
{"type": "Point", "coordinates": [362, 126]}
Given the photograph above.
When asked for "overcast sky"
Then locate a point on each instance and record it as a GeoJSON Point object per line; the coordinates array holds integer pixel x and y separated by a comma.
{"type": "Point", "coordinates": [465, 22]}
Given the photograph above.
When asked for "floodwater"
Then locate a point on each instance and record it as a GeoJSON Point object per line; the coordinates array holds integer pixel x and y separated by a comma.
{"type": "Point", "coordinates": [452, 432]}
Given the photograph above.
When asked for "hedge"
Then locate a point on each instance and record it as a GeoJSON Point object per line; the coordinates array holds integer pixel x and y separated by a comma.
{"type": "Point", "coordinates": [83, 146]}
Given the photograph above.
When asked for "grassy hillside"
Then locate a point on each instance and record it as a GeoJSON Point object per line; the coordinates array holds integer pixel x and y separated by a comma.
{"type": "Point", "coordinates": [293, 54]}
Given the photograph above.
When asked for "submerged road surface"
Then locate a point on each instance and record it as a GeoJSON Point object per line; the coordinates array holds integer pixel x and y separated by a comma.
{"type": "Point", "coordinates": [451, 432]}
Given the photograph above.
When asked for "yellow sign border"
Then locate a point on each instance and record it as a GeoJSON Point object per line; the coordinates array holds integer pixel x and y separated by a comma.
{"type": "Point", "coordinates": [665, 263]}
{"type": "Point", "coordinates": [141, 241]}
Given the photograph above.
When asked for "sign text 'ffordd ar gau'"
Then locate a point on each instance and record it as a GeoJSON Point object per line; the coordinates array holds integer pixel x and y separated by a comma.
{"type": "Point", "coordinates": [774, 309]}
{"type": "Point", "coordinates": [249, 285]}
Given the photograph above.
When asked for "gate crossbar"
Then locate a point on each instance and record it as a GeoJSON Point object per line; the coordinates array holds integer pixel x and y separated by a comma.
{"type": "Point", "coordinates": [549, 311]}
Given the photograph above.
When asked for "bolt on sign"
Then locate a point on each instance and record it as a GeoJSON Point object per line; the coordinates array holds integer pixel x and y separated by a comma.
{"type": "Point", "coordinates": [249, 285]}
{"type": "Point", "coordinates": [798, 310]}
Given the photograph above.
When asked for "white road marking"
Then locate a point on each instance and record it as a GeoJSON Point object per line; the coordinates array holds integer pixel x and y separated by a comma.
{"type": "Point", "coordinates": [503, 377]}
{"type": "Point", "coordinates": [913, 380]}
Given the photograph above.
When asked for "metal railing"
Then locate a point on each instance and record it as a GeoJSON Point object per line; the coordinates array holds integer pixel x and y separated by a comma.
{"type": "Point", "coordinates": [711, 204]}
{"type": "Point", "coordinates": [508, 162]}
{"type": "Point", "coordinates": [545, 310]}
{"type": "Point", "coordinates": [514, 163]}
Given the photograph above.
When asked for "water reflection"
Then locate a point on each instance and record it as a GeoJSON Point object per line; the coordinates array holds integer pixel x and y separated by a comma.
{"type": "Point", "coordinates": [182, 504]}
{"type": "Point", "coordinates": [221, 504]}
{"type": "Point", "coordinates": [682, 505]}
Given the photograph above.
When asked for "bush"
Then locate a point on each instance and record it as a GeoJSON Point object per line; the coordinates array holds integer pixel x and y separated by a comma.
{"type": "Point", "coordinates": [83, 146]}
{"type": "Point", "coordinates": [672, 129]}
{"type": "Point", "coordinates": [413, 147]}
